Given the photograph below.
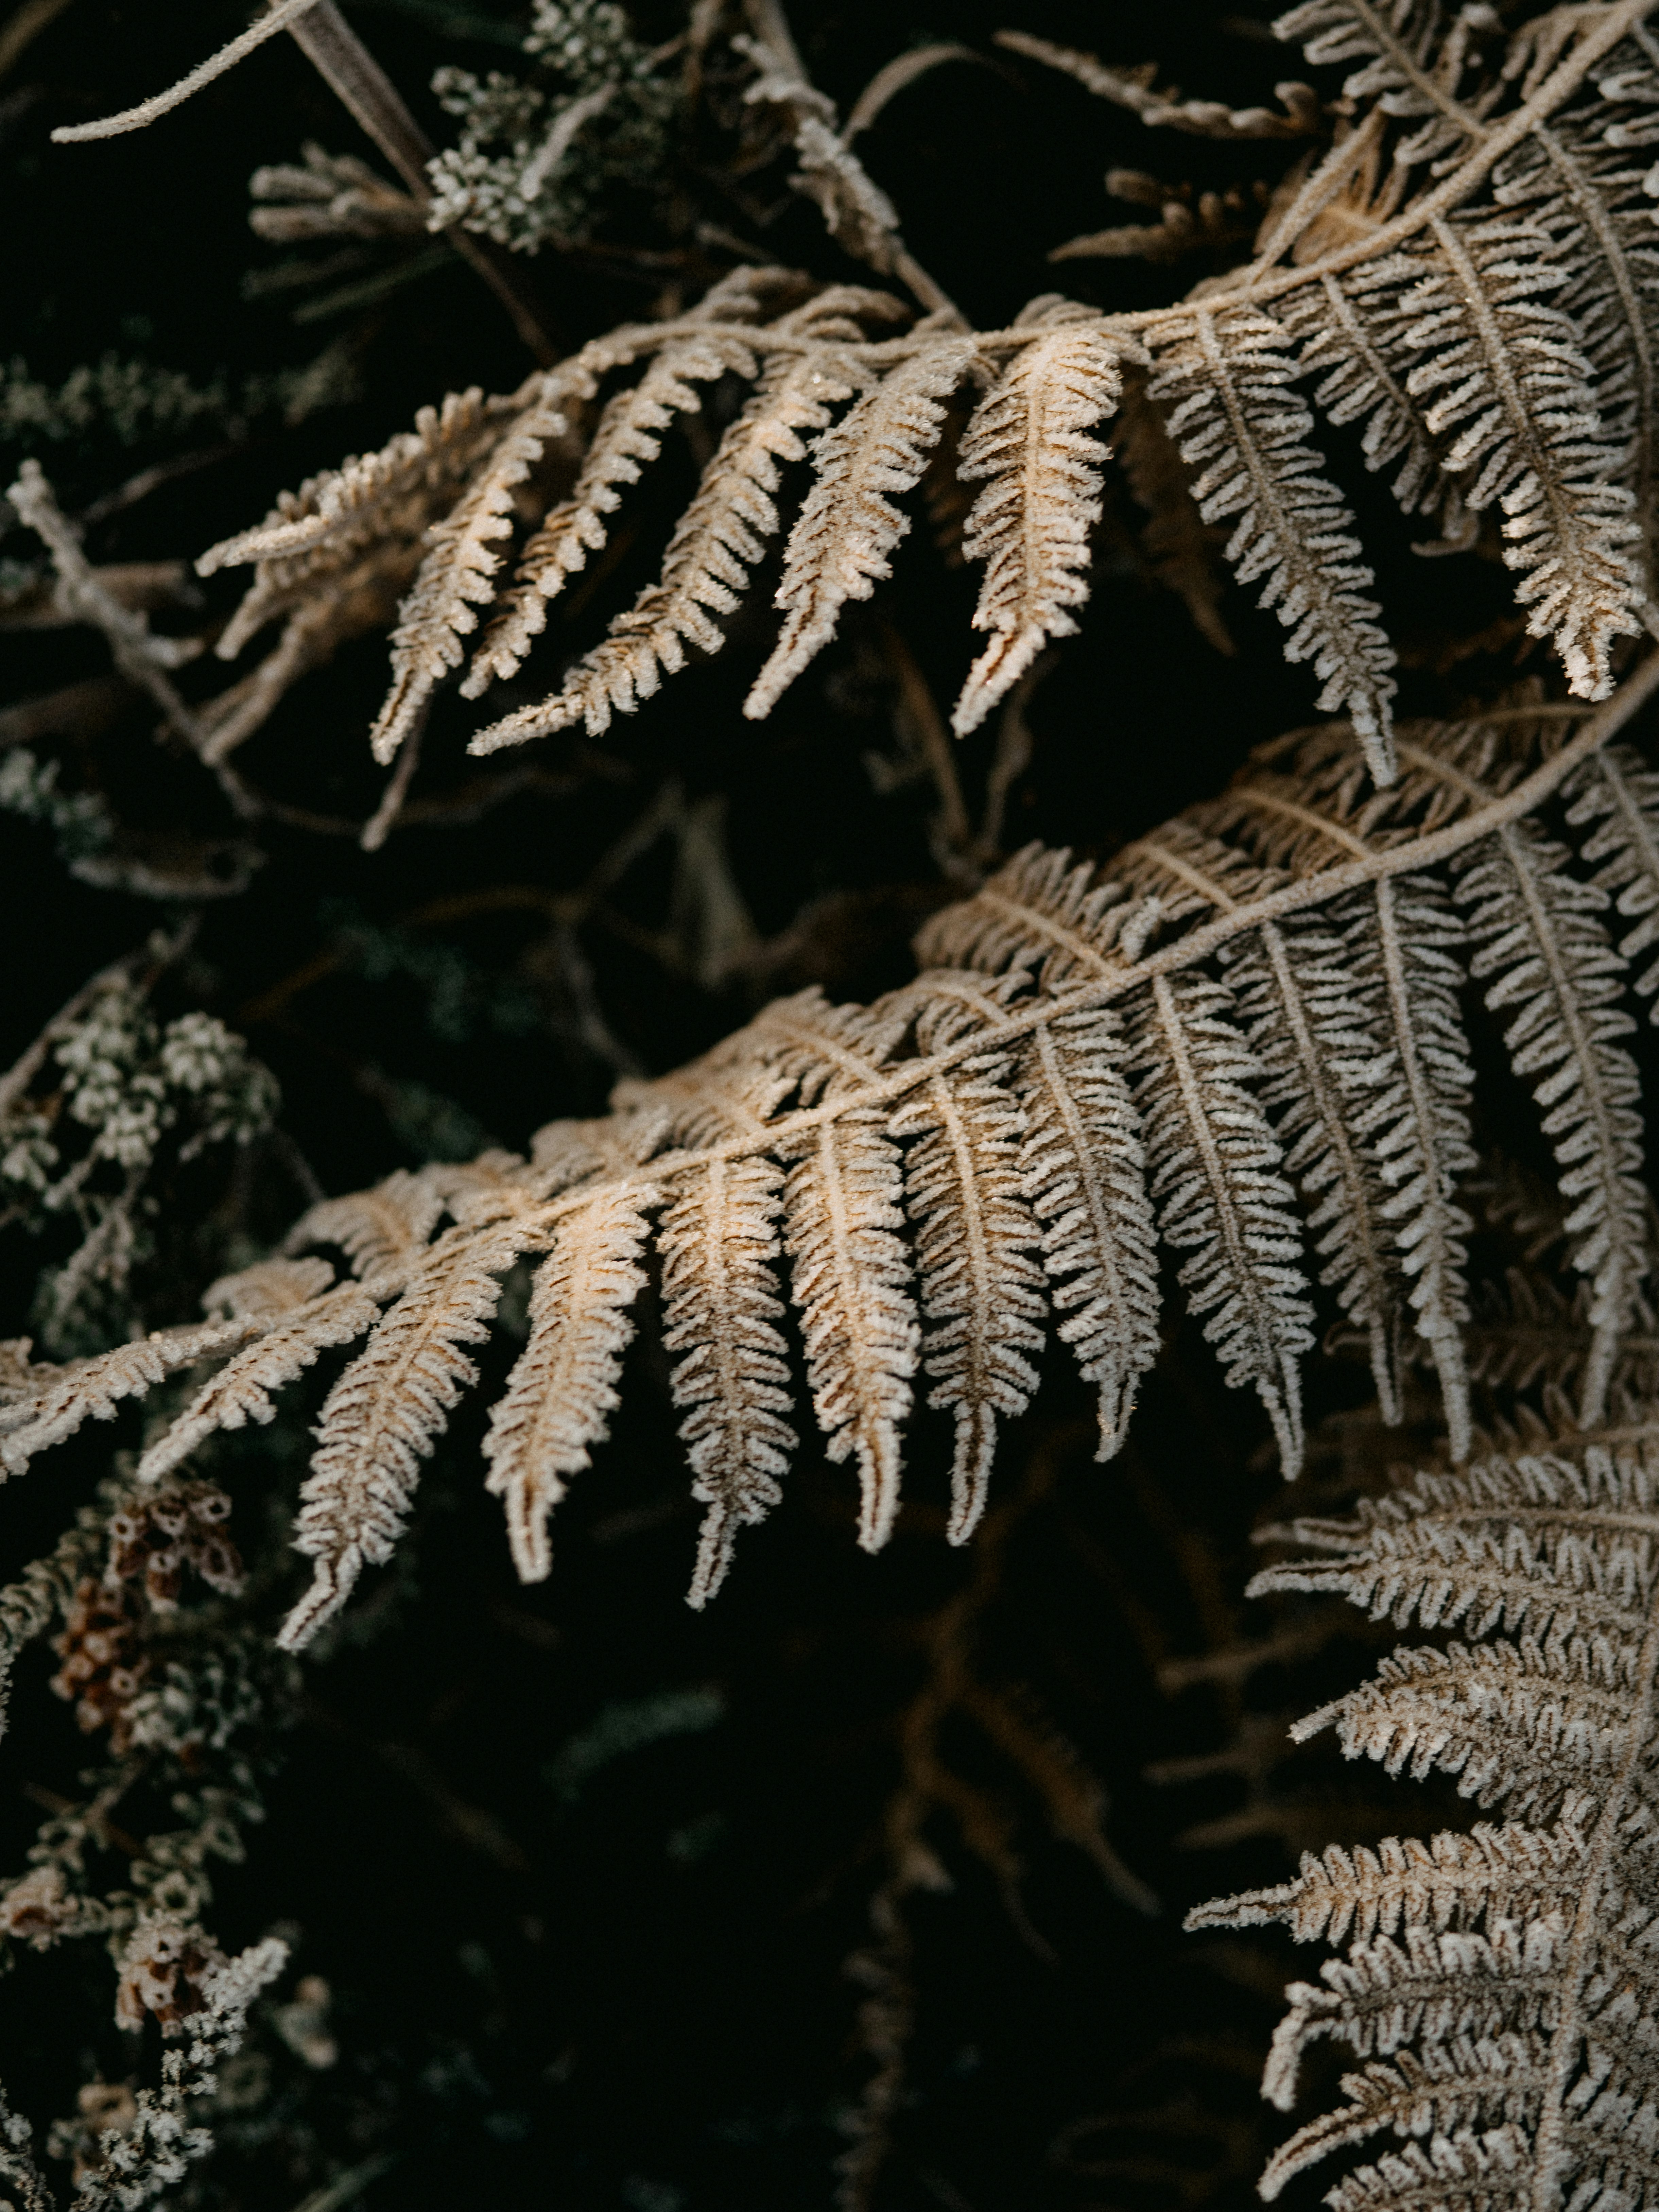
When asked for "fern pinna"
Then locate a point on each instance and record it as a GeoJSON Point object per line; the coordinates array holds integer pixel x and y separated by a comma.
{"type": "Point", "coordinates": [1475, 292]}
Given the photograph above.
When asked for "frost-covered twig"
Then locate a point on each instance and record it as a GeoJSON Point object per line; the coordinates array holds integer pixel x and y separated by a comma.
{"type": "Point", "coordinates": [142, 658]}
{"type": "Point", "coordinates": [283, 15]}
{"type": "Point", "coordinates": [352, 73]}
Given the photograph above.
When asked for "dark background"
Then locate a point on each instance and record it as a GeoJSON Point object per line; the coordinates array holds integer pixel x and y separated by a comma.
{"type": "Point", "coordinates": [566, 1971]}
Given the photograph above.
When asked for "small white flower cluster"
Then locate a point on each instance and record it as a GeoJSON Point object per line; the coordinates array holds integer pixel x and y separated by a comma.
{"type": "Point", "coordinates": [123, 1091]}
{"type": "Point", "coordinates": [129, 1085]}
{"type": "Point", "coordinates": [27, 1155]}
{"type": "Point", "coordinates": [532, 164]}
{"type": "Point", "coordinates": [205, 1705]}
{"type": "Point", "coordinates": [107, 1086]}
{"type": "Point", "coordinates": [79, 820]}
{"type": "Point", "coordinates": [130, 1082]}
{"type": "Point", "coordinates": [235, 1095]}
{"type": "Point", "coordinates": [152, 2150]}
{"type": "Point", "coordinates": [587, 41]}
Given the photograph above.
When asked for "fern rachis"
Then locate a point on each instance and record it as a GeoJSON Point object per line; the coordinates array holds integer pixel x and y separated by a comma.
{"type": "Point", "coordinates": [1476, 318]}
{"type": "Point", "coordinates": [991, 1098]}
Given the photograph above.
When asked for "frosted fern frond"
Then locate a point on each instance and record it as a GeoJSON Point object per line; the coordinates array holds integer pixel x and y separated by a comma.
{"type": "Point", "coordinates": [981, 1286]}
{"type": "Point", "coordinates": [1582, 182]}
{"type": "Point", "coordinates": [270, 1288]}
{"type": "Point", "coordinates": [1497, 1986]}
{"type": "Point", "coordinates": [717, 544]}
{"type": "Point", "coordinates": [1485, 1714]}
{"type": "Point", "coordinates": [856, 209]}
{"type": "Point", "coordinates": [1482, 371]}
{"type": "Point", "coordinates": [850, 1277]}
{"type": "Point", "coordinates": [1616, 791]}
{"type": "Point", "coordinates": [1084, 1173]}
{"type": "Point", "coordinates": [1312, 1025]}
{"type": "Point", "coordinates": [1243, 1039]}
{"type": "Point", "coordinates": [392, 493]}
{"type": "Point", "coordinates": [721, 1304]}
{"type": "Point", "coordinates": [242, 1390]}
{"type": "Point", "coordinates": [1527, 1333]}
{"type": "Point", "coordinates": [1222, 378]}
{"type": "Point", "coordinates": [324, 195]}
{"type": "Point", "coordinates": [1418, 68]}
{"type": "Point", "coordinates": [1414, 1880]}
{"type": "Point", "coordinates": [1214, 1160]}
{"type": "Point", "coordinates": [628, 440]}
{"type": "Point", "coordinates": [1137, 89]}
{"type": "Point", "coordinates": [1410, 1095]}
{"type": "Point", "coordinates": [1466, 278]}
{"type": "Point", "coordinates": [45, 1405]}
{"type": "Point", "coordinates": [381, 1416]}
{"type": "Point", "coordinates": [1032, 442]}
{"type": "Point", "coordinates": [840, 545]}
{"type": "Point", "coordinates": [564, 1383]}
{"type": "Point", "coordinates": [458, 573]}
{"type": "Point", "coordinates": [382, 1231]}
{"type": "Point", "coordinates": [1538, 932]}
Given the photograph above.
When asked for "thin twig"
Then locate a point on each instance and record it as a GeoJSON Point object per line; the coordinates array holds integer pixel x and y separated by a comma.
{"type": "Point", "coordinates": [54, 1801]}
{"type": "Point", "coordinates": [772, 43]}
{"type": "Point", "coordinates": [474, 1825]}
{"type": "Point", "coordinates": [282, 16]}
{"type": "Point", "coordinates": [898, 75]}
{"type": "Point", "coordinates": [560, 139]}
{"type": "Point", "coordinates": [379, 824]}
{"type": "Point", "coordinates": [83, 709]}
{"type": "Point", "coordinates": [358, 82]}
{"type": "Point", "coordinates": [953, 828]}
{"type": "Point", "coordinates": [1012, 758]}
{"type": "Point", "coordinates": [771, 26]}
{"type": "Point", "coordinates": [564, 910]}
{"type": "Point", "coordinates": [142, 659]}
{"type": "Point", "coordinates": [151, 479]}
{"type": "Point", "coordinates": [158, 953]}
{"type": "Point", "coordinates": [346, 2188]}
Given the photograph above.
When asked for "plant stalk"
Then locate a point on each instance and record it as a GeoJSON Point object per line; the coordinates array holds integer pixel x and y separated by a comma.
{"type": "Point", "coordinates": [358, 82]}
